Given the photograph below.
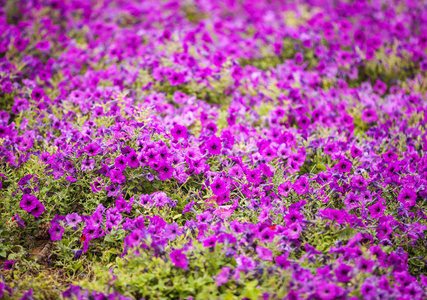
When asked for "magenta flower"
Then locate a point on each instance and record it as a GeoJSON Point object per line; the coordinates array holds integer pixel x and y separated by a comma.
{"type": "Point", "coordinates": [123, 205]}
{"type": "Point", "coordinates": [390, 156]}
{"type": "Point", "coordinates": [343, 273]}
{"type": "Point", "coordinates": [284, 189]}
{"type": "Point", "coordinates": [117, 176]}
{"type": "Point", "coordinates": [38, 210]}
{"type": "Point", "coordinates": [132, 159]}
{"type": "Point", "coordinates": [301, 185]}
{"type": "Point", "coordinates": [8, 264]}
{"type": "Point", "coordinates": [344, 166]}
{"type": "Point", "coordinates": [28, 202]}
{"type": "Point", "coordinates": [303, 122]}
{"type": "Point", "coordinates": [179, 131]}
{"type": "Point", "coordinates": [213, 145]}
{"type": "Point", "coordinates": [219, 187]}
{"type": "Point", "coordinates": [266, 235]}
{"type": "Point", "coordinates": [359, 182]}
{"type": "Point", "coordinates": [369, 115]}
{"type": "Point", "coordinates": [56, 231]}
{"type": "Point", "coordinates": [179, 259]}
{"type": "Point", "coordinates": [299, 58]}
{"type": "Point", "coordinates": [120, 162]}
{"type": "Point", "coordinates": [377, 210]}
{"type": "Point", "coordinates": [380, 87]}
{"type": "Point", "coordinates": [223, 276]}
{"type": "Point", "coordinates": [210, 241]}
{"type": "Point", "coordinates": [37, 94]}
{"type": "Point", "coordinates": [73, 219]}
{"type": "Point", "coordinates": [407, 197]}
{"type": "Point", "coordinates": [327, 291]}
{"type": "Point", "coordinates": [88, 165]}
{"type": "Point", "coordinates": [165, 170]}
{"type": "Point", "coordinates": [264, 253]}
{"type": "Point", "coordinates": [92, 149]}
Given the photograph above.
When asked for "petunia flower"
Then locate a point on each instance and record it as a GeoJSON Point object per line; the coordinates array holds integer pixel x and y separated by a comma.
{"type": "Point", "coordinates": [8, 264]}
{"type": "Point", "coordinates": [73, 219]}
{"type": "Point", "coordinates": [56, 231]}
{"type": "Point", "coordinates": [407, 197]}
{"type": "Point", "coordinates": [179, 259]}
{"type": "Point", "coordinates": [343, 273]}
{"type": "Point", "coordinates": [218, 187]}
{"type": "Point", "coordinates": [38, 210]}
{"type": "Point", "coordinates": [120, 162]}
{"type": "Point", "coordinates": [223, 276]}
{"type": "Point", "coordinates": [377, 210]}
{"type": "Point", "coordinates": [264, 253]}
{"type": "Point", "coordinates": [179, 132]}
{"type": "Point", "coordinates": [28, 202]}
{"type": "Point", "coordinates": [213, 145]}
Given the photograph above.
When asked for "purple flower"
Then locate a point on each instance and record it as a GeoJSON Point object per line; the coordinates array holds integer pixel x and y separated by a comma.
{"type": "Point", "coordinates": [369, 115]}
{"type": "Point", "coordinates": [179, 259]}
{"type": "Point", "coordinates": [219, 187]}
{"type": "Point", "coordinates": [383, 230]}
{"type": "Point", "coordinates": [213, 145]}
{"type": "Point", "coordinates": [28, 202]}
{"type": "Point", "coordinates": [301, 185]}
{"type": "Point", "coordinates": [172, 231]}
{"type": "Point", "coordinates": [28, 295]}
{"type": "Point", "coordinates": [223, 276]}
{"type": "Point", "coordinates": [179, 131]}
{"type": "Point", "coordinates": [8, 264]}
{"type": "Point", "coordinates": [38, 210]}
{"type": "Point", "coordinates": [407, 197]}
{"type": "Point", "coordinates": [165, 170]}
{"type": "Point", "coordinates": [210, 241]}
{"type": "Point", "coordinates": [132, 159]}
{"type": "Point", "coordinates": [117, 176]}
{"type": "Point", "coordinates": [344, 166]}
{"type": "Point", "coordinates": [92, 149]}
{"type": "Point", "coordinates": [149, 177]}
{"type": "Point", "coordinates": [343, 273]}
{"type": "Point", "coordinates": [327, 291]}
{"type": "Point", "coordinates": [264, 253]}
{"type": "Point", "coordinates": [73, 219]}
{"type": "Point", "coordinates": [368, 290]}
{"type": "Point", "coordinates": [352, 201]}
{"type": "Point", "coordinates": [88, 165]}
{"type": "Point", "coordinates": [19, 221]}
{"type": "Point", "coordinates": [122, 205]}
{"type": "Point", "coordinates": [376, 210]}
{"type": "Point", "coordinates": [120, 162]}
{"type": "Point", "coordinates": [188, 207]}
{"type": "Point", "coordinates": [365, 265]}
{"type": "Point", "coordinates": [56, 231]}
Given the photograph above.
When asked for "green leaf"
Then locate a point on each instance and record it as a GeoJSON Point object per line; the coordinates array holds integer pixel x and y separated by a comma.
{"type": "Point", "coordinates": [321, 167]}
{"type": "Point", "coordinates": [347, 233]}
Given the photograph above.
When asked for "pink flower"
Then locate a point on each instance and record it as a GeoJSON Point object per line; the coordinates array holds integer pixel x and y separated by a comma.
{"type": "Point", "coordinates": [407, 197]}
{"type": "Point", "coordinates": [179, 259]}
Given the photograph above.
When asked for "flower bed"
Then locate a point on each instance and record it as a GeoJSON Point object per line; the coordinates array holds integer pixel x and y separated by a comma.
{"type": "Point", "coordinates": [213, 149]}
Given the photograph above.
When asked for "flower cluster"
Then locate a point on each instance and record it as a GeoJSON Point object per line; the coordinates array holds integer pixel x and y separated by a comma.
{"type": "Point", "coordinates": [214, 149]}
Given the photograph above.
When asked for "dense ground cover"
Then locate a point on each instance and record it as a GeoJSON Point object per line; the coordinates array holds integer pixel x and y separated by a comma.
{"type": "Point", "coordinates": [213, 149]}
